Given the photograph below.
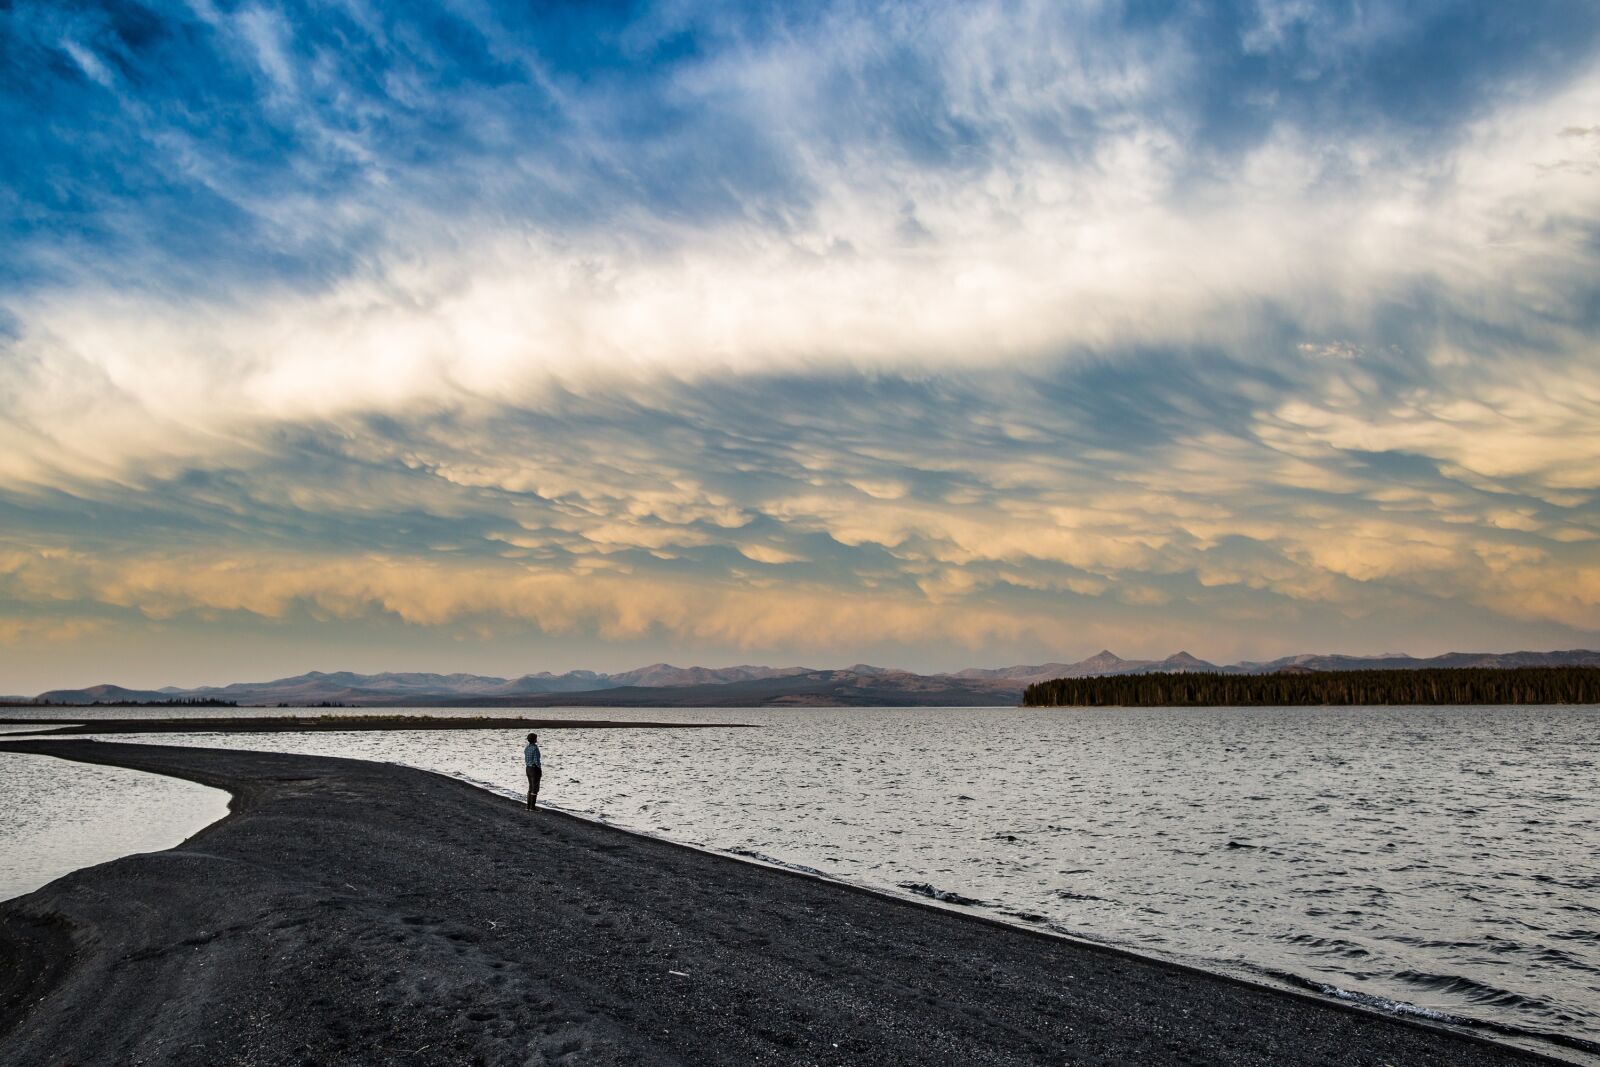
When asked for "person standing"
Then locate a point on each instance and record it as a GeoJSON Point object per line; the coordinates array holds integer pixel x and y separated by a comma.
{"type": "Point", "coordinates": [535, 768]}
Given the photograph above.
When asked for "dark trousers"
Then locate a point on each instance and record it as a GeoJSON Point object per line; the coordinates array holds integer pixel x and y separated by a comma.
{"type": "Point", "coordinates": [533, 785]}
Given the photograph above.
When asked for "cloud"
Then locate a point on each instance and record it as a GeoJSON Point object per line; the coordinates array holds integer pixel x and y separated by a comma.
{"type": "Point", "coordinates": [755, 484]}
{"type": "Point", "coordinates": [769, 554]}
{"type": "Point", "coordinates": [439, 593]}
{"type": "Point", "coordinates": [1056, 259]}
{"type": "Point", "coordinates": [1097, 319]}
{"type": "Point", "coordinates": [49, 631]}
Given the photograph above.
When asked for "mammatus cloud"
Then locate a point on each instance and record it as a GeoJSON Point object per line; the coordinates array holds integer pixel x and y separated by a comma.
{"type": "Point", "coordinates": [743, 514]}
{"type": "Point", "coordinates": [436, 593]}
{"type": "Point", "coordinates": [992, 325]}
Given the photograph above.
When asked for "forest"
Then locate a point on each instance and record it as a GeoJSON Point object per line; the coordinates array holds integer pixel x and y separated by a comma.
{"type": "Point", "coordinates": [1460, 685]}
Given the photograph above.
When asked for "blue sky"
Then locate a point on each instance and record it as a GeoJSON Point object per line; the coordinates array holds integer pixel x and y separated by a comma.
{"type": "Point", "coordinates": [478, 337]}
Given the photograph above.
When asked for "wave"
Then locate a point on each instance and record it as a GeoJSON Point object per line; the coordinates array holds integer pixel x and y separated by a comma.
{"type": "Point", "coordinates": [923, 889]}
{"type": "Point", "coordinates": [750, 853]}
{"type": "Point", "coordinates": [1330, 946]}
{"type": "Point", "coordinates": [1404, 1009]}
{"type": "Point", "coordinates": [1471, 990]}
{"type": "Point", "coordinates": [1588, 937]}
{"type": "Point", "coordinates": [1067, 894]}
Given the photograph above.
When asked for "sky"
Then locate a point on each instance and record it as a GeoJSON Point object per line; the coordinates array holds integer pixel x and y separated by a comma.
{"type": "Point", "coordinates": [503, 337]}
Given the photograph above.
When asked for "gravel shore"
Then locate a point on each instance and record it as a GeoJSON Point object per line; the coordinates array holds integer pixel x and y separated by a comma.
{"type": "Point", "coordinates": [361, 913]}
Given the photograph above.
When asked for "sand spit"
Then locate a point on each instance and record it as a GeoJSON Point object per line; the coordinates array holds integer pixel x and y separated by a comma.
{"type": "Point", "coordinates": [361, 913]}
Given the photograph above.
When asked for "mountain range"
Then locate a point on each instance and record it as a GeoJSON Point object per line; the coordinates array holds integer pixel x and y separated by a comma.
{"type": "Point", "coordinates": [663, 685]}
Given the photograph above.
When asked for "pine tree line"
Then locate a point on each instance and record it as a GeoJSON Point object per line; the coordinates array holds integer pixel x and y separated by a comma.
{"type": "Point", "coordinates": [1459, 685]}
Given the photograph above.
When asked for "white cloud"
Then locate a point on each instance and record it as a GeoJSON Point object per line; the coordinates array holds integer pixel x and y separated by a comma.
{"type": "Point", "coordinates": [1032, 253]}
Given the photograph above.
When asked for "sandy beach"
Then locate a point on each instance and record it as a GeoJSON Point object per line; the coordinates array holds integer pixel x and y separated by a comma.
{"type": "Point", "coordinates": [352, 913]}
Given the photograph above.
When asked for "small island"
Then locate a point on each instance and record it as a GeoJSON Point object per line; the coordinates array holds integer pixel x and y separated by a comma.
{"type": "Point", "coordinates": [1468, 685]}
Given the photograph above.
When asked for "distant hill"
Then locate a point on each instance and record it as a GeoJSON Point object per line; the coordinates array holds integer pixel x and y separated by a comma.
{"type": "Point", "coordinates": [664, 685]}
{"type": "Point", "coordinates": [665, 674]}
{"type": "Point", "coordinates": [799, 688]}
{"type": "Point", "coordinates": [102, 694]}
{"type": "Point", "coordinates": [1102, 662]}
{"type": "Point", "coordinates": [1399, 661]}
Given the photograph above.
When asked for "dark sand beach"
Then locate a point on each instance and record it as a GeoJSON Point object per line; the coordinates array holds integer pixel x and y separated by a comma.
{"type": "Point", "coordinates": [361, 913]}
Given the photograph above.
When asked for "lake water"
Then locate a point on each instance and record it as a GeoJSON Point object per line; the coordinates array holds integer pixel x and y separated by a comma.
{"type": "Point", "coordinates": [57, 817]}
{"type": "Point", "coordinates": [1437, 861]}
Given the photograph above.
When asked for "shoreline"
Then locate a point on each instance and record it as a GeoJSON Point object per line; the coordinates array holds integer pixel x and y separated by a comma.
{"type": "Point", "coordinates": [1128, 1002]}
{"type": "Point", "coordinates": [1286, 983]}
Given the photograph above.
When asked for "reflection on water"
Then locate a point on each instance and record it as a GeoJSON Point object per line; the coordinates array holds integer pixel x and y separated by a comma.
{"type": "Point", "coordinates": [57, 816]}
{"type": "Point", "coordinates": [1442, 858]}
